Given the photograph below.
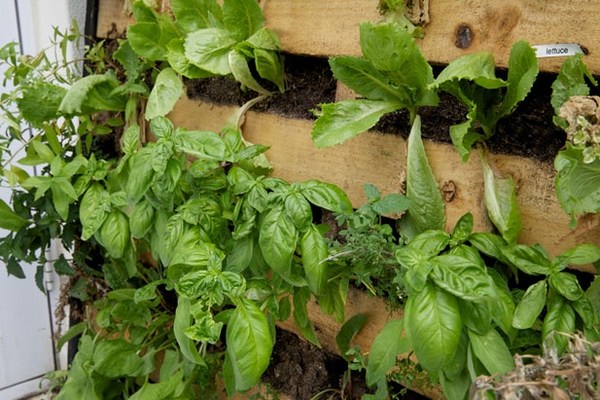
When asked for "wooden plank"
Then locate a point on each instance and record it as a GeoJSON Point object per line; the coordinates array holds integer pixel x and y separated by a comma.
{"type": "Point", "coordinates": [325, 28]}
{"type": "Point", "coordinates": [381, 159]}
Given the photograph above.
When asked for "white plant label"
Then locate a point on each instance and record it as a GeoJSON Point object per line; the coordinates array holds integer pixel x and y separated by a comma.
{"type": "Point", "coordinates": [557, 50]}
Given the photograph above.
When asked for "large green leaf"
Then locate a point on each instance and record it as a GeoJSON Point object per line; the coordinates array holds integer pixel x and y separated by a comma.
{"type": "Point", "coordinates": [528, 259]}
{"type": "Point", "coordinates": [393, 50]}
{"type": "Point", "coordinates": [560, 318]}
{"type": "Point", "coordinates": [208, 49]}
{"type": "Point", "coordinates": [115, 358]}
{"type": "Point", "coordinates": [278, 240]}
{"type": "Point", "coordinates": [269, 66]}
{"type": "Point", "coordinates": [501, 203]}
{"type": "Point", "coordinates": [113, 235]}
{"type": "Point", "coordinates": [242, 17]}
{"type": "Point", "coordinates": [145, 40]}
{"type": "Point", "coordinates": [314, 254]}
{"type": "Point", "coordinates": [325, 195]}
{"type": "Point", "coordinates": [92, 93]}
{"type": "Point", "coordinates": [205, 145]}
{"type": "Point", "coordinates": [577, 183]}
{"type": "Point", "coordinates": [81, 382]}
{"type": "Point", "coordinates": [579, 255]}
{"type": "Point", "coordinates": [40, 103]}
{"type": "Point", "coordinates": [462, 277]}
{"type": "Point", "coordinates": [479, 68]}
{"type": "Point", "coordinates": [93, 210]}
{"type": "Point", "coordinates": [433, 325]}
{"type": "Point", "coordinates": [530, 306]}
{"type": "Point", "coordinates": [162, 390]}
{"type": "Point", "coordinates": [141, 218]}
{"type": "Point", "coordinates": [388, 344]}
{"type": "Point", "coordinates": [141, 174]}
{"type": "Point", "coordinates": [362, 77]}
{"type": "Point", "coordinates": [249, 344]}
{"type": "Point", "coordinates": [344, 120]}
{"type": "Point", "coordinates": [567, 285]}
{"type": "Point", "coordinates": [426, 210]}
{"type": "Point", "coordinates": [492, 351]}
{"type": "Point", "coordinates": [193, 15]}
{"type": "Point", "coordinates": [167, 89]}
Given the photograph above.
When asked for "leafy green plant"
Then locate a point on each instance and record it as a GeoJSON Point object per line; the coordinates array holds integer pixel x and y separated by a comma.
{"type": "Point", "coordinates": [393, 74]}
{"type": "Point", "coordinates": [208, 39]}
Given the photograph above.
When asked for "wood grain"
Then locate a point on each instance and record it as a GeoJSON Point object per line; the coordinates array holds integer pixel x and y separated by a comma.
{"type": "Point", "coordinates": [325, 28]}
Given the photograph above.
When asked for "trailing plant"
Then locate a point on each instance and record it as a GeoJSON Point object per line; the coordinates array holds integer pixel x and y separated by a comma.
{"type": "Point", "coordinates": [393, 74]}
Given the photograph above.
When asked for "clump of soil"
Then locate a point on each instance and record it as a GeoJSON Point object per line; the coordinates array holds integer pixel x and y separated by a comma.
{"type": "Point", "coordinates": [301, 371]}
{"type": "Point", "coordinates": [528, 131]}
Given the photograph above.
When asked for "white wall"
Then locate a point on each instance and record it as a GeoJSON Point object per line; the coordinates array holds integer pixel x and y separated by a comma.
{"type": "Point", "coordinates": [26, 348]}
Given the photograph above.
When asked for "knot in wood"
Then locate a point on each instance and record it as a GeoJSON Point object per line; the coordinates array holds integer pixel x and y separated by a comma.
{"type": "Point", "coordinates": [463, 36]}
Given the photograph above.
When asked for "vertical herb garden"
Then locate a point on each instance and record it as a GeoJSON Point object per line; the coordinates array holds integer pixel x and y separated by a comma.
{"type": "Point", "coordinates": [190, 247]}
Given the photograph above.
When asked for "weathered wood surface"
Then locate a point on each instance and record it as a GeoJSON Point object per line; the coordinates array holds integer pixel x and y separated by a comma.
{"type": "Point", "coordinates": [324, 28]}
{"type": "Point", "coordinates": [381, 159]}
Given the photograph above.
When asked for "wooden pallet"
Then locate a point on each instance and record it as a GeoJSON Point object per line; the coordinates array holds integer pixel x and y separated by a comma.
{"type": "Point", "coordinates": [325, 28]}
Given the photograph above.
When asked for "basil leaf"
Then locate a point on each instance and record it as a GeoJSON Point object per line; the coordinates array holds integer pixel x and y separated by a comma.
{"type": "Point", "coordinates": [489, 244]}
{"type": "Point", "coordinates": [140, 175]}
{"type": "Point", "coordinates": [430, 242]}
{"type": "Point", "coordinates": [249, 344]}
{"type": "Point", "coordinates": [314, 255]}
{"type": "Point", "coordinates": [528, 259]}
{"type": "Point", "coordinates": [278, 239]}
{"type": "Point", "coordinates": [426, 210]}
{"type": "Point", "coordinates": [476, 316]}
{"type": "Point", "coordinates": [579, 255]}
{"type": "Point", "coordinates": [205, 145]}
{"type": "Point", "coordinates": [167, 90]}
{"type": "Point", "coordinates": [501, 203]}
{"type": "Point", "coordinates": [492, 351]}
{"type": "Point", "coordinates": [567, 285]}
{"type": "Point", "coordinates": [463, 229]}
{"type": "Point", "coordinates": [93, 210]}
{"type": "Point", "coordinates": [560, 318]}
{"type": "Point", "coordinates": [530, 306]}
{"type": "Point", "coordinates": [326, 195]}
{"type": "Point", "coordinates": [162, 390]}
{"type": "Point", "coordinates": [503, 310]}
{"type": "Point", "coordinates": [113, 235]}
{"type": "Point", "coordinates": [461, 277]}
{"type": "Point", "coordinates": [141, 219]}
{"type": "Point", "coordinates": [341, 121]}
{"type": "Point", "coordinates": [298, 209]}
{"type": "Point", "coordinates": [115, 358]}
{"type": "Point", "coordinates": [433, 325]}
{"type": "Point", "coordinates": [388, 344]}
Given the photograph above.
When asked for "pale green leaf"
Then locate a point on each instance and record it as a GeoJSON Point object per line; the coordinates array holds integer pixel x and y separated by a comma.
{"type": "Point", "coordinates": [314, 254]}
{"type": "Point", "coordinates": [426, 210]}
{"type": "Point", "coordinates": [193, 15]}
{"type": "Point", "coordinates": [249, 344]}
{"type": "Point", "coordinates": [388, 344]}
{"type": "Point", "coordinates": [492, 351]}
{"type": "Point", "coordinates": [167, 89]}
{"type": "Point", "coordinates": [242, 17]}
{"type": "Point", "coordinates": [208, 49]}
{"type": "Point", "coordinates": [344, 120]}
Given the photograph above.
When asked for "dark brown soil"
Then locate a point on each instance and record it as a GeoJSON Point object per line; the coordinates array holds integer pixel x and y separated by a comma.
{"type": "Point", "coordinates": [308, 82]}
{"type": "Point", "coordinates": [528, 132]}
{"type": "Point", "coordinates": [301, 371]}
